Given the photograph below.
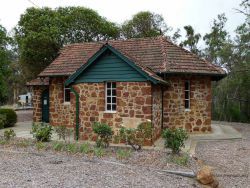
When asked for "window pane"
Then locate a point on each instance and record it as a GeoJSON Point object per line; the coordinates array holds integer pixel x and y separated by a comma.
{"type": "Point", "coordinates": [186, 85]}
{"type": "Point", "coordinates": [114, 107]}
{"type": "Point", "coordinates": [186, 94]}
{"type": "Point", "coordinates": [108, 92]}
{"type": "Point", "coordinates": [67, 95]}
{"type": "Point", "coordinates": [113, 92]}
{"type": "Point", "coordinates": [186, 103]}
{"type": "Point", "coordinates": [113, 85]}
{"type": "Point", "coordinates": [108, 99]}
{"type": "Point", "coordinates": [108, 106]}
{"type": "Point", "coordinates": [108, 84]}
{"type": "Point", "coordinates": [113, 99]}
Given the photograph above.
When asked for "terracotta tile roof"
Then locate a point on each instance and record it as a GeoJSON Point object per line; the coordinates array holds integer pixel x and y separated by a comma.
{"type": "Point", "coordinates": [38, 82]}
{"type": "Point", "coordinates": [154, 54]}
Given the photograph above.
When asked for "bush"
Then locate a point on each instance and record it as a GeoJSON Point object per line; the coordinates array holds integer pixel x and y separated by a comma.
{"type": "Point", "coordinates": [104, 133]}
{"type": "Point", "coordinates": [42, 131]}
{"type": "Point", "coordinates": [174, 139]}
{"type": "Point", "coordinates": [136, 137]}
{"type": "Point", "coordinates": [63, 132]}
{"type": "Point", "coordinates": [85, 148]}
{"type": "Point", "coordinates": [11, 117]}
{"type": "Point", "coordinates": [58, 146]}
{"type": "Point", "coordinates": [9, 134]}
{"type": "Point", "coordinates": [2, 120]}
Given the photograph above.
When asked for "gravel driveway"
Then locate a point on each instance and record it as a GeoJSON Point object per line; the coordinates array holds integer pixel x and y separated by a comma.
{"type": "Point", "coordinates": [40, 169]}
{"type": "Point", "coordinates": [230, 159]}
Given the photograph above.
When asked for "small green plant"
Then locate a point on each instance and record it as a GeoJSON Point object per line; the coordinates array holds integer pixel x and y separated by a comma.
{"type": "Point", "coordinates": [63, 132]}
{"type": "Point", "coordinates": [58, 146]}
{"type": "Point", "coordinates": [123, 154]}
{"type": "Point", "coordinates": [181, 160]}
{"type": "Point", "coordinates": [104, 133]}
{"type": "Point", "coordinates": [40, 145]}
{"type": "Point", "coordinates": [9, 134]}
{"type": "Point", "coordinates": [3, 142]}
{"type": "Point", "coordinates": [11, 117]}
{"type": "Point", "coordinates": [2, 120]}
{"type": "Point", "coordinates": [85, 148]}
{"type": "Point", "coordinates": [42, 131]}
{"type": "Point", "coordinates": [174, 139]}
{"type": "Point", "coordinates": [71, 148]}
{"type": "Point", "coordinates": [23, 143]}
{"type": "Point", "coordinates": [99, 152]}
{"type": "Point", "coordinates": [135, 137]}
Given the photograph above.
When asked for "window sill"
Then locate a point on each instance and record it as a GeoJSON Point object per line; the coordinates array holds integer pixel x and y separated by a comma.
{"type": "Point", "coordinates": [110, 112]}
{"type": "Point", "coordinates": [187, 110]}
{"type": "Point", "coordinates": [66, 103]}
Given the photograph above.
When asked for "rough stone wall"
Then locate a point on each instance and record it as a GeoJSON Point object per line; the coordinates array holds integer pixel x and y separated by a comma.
{"type": "Point", "coordinates": [37, 108]}
{"type": "Point", "coordinates": [157, 109]}
{"type": "Point", "coordinates": [198, 119]}
{"type": "Point", "coordinates": [134, 105]}
{"type": "Point", "coordinates": [60, 113]}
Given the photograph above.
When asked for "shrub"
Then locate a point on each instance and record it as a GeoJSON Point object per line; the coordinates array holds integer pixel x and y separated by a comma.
{"type": "Point", "coordinates": [104, 133]}
{"type": "Point", "coordinates": [71, 147]}
{"type": "Point", "coordinates": [2, 120]}
{"type": "Point", "coordinates": [9, 134]}
{"type": "Point", "coordinates": [99, 152]}
{"type": "Point", "coordinates": [42, 131]}
{"type": "Point", "coordinates": [135, 137]}
{"type": "Point", "coordinates": [85, 148]}
{"type": "Point", "coordinates": [123, 154]}
{"type": "Point", "coordinates": [40, 145]}
{"type": "Point", "coordinates": [57, 146]}
{"type": "Point", "coordinates": [174, 139]}
{"type": "Point", "coordinates": [63, 132]}
{"type": "Point", "coordinates": [11, 117]}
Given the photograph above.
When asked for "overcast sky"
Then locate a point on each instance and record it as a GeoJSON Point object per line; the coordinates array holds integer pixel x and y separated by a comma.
{"type": "Point", "coordinates": [177, 13]}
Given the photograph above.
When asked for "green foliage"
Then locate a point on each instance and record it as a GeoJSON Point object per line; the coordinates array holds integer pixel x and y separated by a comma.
{"type": "Point", "coordinates": [41, 32]}
{"type": "Point", "coordinates": [71, 147]}
{"type": "Point", "coordinates": [191, 40]}
{"type": "Point", "coordinates": [2, 120]}
{"type": "Point", "coordinates": [42, 131]}
{"type": "Point", "coordinates": [99, 152]}
{"type": "Point", "coordinates": [40, 145]}
{"type": "Point", "coordinates": [23, 143]}
{"type": "Point", "coordinates": [174, 139]}
{"type": "Point", "coordinates": [3, 142]}
{"type": "Point", "coordinates": [85, 148]}
{"type": "Point", "coordinates": [136, 137]}
{"type": "Point", "coordinates": [11, 117]}
{"type": "Point", "coordinates": [181, 159]}
{"type": "Point", "coordinates": [58, 146]}
{"type": "Point", "coordinates": [9, 134]}
{"type": "Point", "coordinates": [104, 133]}
{"type": "Point", "coordinates": [123, 154]}
{"type": "Point", "coordinates": [144, 24]}
{"type": "Point", "coordinates": [5, 60]}
{"type": "Point", "coordinates": [63, 132]}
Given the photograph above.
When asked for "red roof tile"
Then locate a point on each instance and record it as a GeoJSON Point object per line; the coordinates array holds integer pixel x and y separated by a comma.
{"type": "Point", "coordinates": [157, 54]}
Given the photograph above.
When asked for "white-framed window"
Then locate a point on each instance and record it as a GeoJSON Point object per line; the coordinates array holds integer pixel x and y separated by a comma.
{"type": "Point", "coordinates": [110, 97]}
{"type": "Point", "coordinates": [187, 94]}
{"type": "Point", "coordinates": [66, 94]}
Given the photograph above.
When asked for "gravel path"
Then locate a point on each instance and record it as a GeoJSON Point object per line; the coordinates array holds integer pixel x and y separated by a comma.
{"type": "Point", "coordinates": [49, 169]}
{"type": "Point", "coordinates": [24, 115]}
{"type": "Point", "coordinates": [230, 159]}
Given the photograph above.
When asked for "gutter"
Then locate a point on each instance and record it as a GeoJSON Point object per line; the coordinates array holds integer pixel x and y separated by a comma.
{"type": "Point", "coordinates": [77, 111]}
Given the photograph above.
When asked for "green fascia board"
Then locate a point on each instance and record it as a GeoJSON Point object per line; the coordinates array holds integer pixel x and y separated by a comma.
{"type": "Point", "coordinates": [105, 47]}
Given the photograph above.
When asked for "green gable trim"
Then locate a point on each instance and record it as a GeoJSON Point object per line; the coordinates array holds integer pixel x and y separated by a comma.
{"type": "Point", "coordinates": [130, 73]}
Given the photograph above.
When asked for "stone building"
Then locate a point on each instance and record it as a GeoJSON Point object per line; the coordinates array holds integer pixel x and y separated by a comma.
{"type": "Point", "coordinates": [126, 82]}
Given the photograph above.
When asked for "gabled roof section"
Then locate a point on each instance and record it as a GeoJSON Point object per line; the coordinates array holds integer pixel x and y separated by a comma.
{"type": "Point", "coordinates": [144, 71]}
{"type": "Point", "coordinates": [158, 55]}
{"type": "Point", "coordinates": [38, 82]}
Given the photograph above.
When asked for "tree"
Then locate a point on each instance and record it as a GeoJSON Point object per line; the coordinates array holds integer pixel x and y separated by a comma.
{"type": "Point", "coordinates": [144, 24]}
{"type": "Point", "coordinates": [42, 32]}
{"type": "Point", "coordinates": [216, 40]}
{"type": "Point", "coordinates": [5, 59]}
{"type": "Point", "coordinates": [191, 40]}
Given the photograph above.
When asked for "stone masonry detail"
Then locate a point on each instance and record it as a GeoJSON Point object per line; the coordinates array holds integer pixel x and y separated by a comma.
{"type": "Point", "coordinates": [198, 118]}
